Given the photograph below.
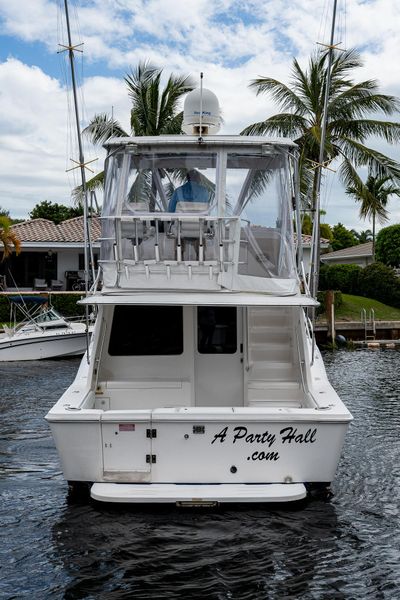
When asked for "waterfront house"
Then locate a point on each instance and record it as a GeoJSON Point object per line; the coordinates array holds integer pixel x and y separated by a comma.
{"type": "Point", "coordinates": [361, 255]}
{"type": "Point", "coordinates": [52, 256]}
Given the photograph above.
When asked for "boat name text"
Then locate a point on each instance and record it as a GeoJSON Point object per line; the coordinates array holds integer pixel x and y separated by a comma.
{"type": "Point", "coordinates": [287, 436]}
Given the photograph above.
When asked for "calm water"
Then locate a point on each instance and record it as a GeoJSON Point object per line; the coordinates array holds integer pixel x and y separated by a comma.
{"type": "Point", "coordinates": [348, 547]}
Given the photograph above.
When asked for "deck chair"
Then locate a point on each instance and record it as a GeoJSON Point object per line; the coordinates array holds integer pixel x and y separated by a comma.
{"type": "Point", "coordinates": [39, 285]}
{"type": "Point", "coordinates": [56, 285]}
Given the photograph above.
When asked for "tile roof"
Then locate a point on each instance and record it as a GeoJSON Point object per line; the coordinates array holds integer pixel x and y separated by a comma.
{"type": "Point", "coordinates": [307, 239]}
{"type": "Point", "coordinates": [43, 230]}
{"type": "Point", "coordinates": [359, 250]}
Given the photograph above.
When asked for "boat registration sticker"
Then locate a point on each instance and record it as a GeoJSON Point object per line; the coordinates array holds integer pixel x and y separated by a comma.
{"type": "Point", "coordinates": [126, 427]}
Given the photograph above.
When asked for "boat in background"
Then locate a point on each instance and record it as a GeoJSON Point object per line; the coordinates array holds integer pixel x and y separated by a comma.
{"type": "Point", "coordinates": [43, 333]}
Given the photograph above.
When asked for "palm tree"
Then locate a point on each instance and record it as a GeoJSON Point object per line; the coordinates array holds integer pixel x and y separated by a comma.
{"type": "Point", "coordinates": [374, 196]}
{"type": "Point", "coordinates": [153, 112]}
{"type": "Point", "coordinates": [364, 236]}
{"type": "Point", "coordinates": [8, 238]}
{"type": "Point", "coordinates": [348, 125]}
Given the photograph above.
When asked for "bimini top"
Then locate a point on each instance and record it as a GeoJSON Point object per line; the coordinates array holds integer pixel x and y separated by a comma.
{"type": "Point", "coordinates": [209, 140]}
{"type": "Point", "coordinates": [211, 214]}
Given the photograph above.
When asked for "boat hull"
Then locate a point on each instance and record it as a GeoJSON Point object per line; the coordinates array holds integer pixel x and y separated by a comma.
{"type": "Point", "coordinates": [199, 448]}
{"type": "Point", "coordinates": [42, 345]}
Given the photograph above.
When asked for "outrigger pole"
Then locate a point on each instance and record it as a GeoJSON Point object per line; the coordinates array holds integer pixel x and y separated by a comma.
{"type": "Point", "coordinates": [81, 165]}
{"type": "Point", "coordinates": [316, 249]}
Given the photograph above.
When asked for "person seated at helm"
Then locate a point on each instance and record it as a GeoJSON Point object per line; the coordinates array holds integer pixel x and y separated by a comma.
{"type": "Point", "coordinates": [191, 191]}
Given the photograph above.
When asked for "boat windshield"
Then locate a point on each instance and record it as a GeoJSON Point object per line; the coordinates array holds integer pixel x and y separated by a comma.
{"type": "Point", "coordinates": [215, 197]}
{"type": "Point", "coordinates": [50, 318]}
{"type": "Point", "coordinates": [171, 183]}
{"type": "Point", "coordinates": [259, 189]}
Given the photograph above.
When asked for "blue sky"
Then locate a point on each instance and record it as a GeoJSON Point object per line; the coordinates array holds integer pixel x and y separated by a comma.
{"type": "Point", "coordinates": [231, 41]}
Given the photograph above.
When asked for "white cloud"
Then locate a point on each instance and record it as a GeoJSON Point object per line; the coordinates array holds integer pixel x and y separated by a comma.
{"type": "Point", "coordinates": [230, 41]}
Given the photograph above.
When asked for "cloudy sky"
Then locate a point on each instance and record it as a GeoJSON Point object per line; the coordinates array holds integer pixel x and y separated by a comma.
{"type": "Point", "coordinates": [231, 41]}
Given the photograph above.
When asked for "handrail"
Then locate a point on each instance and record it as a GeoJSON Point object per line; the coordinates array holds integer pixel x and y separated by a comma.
{"type": "Point", "coordinates": [246, 340]}
{"type": "Point", "coordinates": [311, 335]}
{"type": "Point", "coordinates": [304, 278]}
{"type": "Point", "coordinates": [364, 320]}
{"type": "Point", "coordinates": [301, 362]}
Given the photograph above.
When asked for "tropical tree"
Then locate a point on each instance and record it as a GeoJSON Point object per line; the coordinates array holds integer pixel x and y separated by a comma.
{"type": "Point", "coordinates": [374, 196]}
{"type": "Point", "coordinates": [8, 238]}
{"type": "Point", "coordinates": [342, 237]}
{"type": "Point", "coordinates": [388, 246]}
{"type": "Point", "coordinates": [350, 105]}
{"type": "Point", "coordinates": [307, 225]}
{"type": "Point", "coordinates": [54, 212]}
{"type": "Point", "coordinates": [154, 111]}
{"type": "Point", "coordinates": [362, 237]}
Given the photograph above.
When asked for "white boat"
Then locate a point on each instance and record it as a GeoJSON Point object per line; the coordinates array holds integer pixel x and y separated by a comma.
{"type": "Point", "coordinates": [204, 383]}
{"type": "Point", "coordinates": [43, 333]}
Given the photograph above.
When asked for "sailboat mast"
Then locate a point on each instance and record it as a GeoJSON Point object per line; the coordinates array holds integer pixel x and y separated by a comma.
{"type": "Point", "coordinates": [314, 275]}
{"type": "Point", "coordinates": [82, 169]}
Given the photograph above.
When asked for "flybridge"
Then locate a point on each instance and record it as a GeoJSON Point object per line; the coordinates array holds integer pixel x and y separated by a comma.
{"type": "Point", "coordinates": [210, 216]}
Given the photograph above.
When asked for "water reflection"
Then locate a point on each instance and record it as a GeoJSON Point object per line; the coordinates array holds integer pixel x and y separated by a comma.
{"type": "Point", "coordinates": [169, 553]}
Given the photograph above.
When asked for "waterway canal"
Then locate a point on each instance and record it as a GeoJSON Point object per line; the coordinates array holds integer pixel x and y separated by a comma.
{"type": "Point", "coordinates": [345, 548]}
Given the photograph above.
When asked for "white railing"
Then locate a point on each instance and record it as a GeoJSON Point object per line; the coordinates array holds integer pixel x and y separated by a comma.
{"type": "Point", "coordinates": [159, 244]}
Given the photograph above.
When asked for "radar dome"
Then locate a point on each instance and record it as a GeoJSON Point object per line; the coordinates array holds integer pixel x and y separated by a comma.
{"type": "Point", "coordinates": [210, 120]}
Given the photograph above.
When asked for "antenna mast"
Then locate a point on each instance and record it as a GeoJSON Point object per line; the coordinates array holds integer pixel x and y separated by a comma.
{"type": "Point", "coordinates": [81, 166]}
{"type": "Point", "coordinates": [316, 250]}
{"type": "Point", "coordinates": [201, 109]}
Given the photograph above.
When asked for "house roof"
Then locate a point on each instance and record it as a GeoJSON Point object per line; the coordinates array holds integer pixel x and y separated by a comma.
{"type": "Point", "coordinates": [43, 230]}
{"type": "Point", "coordinates": [307, 239]}
{"type": "Point", "coordinates": [358, 251]}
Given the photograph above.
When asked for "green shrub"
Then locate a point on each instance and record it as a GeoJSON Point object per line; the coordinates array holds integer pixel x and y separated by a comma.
{"type": "Point", "coordinates": [380, 282]}
{"type": "Point", "coordinates": [340, 277]}
{"type": "Point", "coordinates": [66, 304]}
{"type": "Point", "coordinates": [387, 248]}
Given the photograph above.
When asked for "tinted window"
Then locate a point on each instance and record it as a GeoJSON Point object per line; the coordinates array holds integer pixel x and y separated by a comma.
{"type": "Point", "coordinates": [146, 331]}
{"type": "Point", "coordinates": [216, 330]}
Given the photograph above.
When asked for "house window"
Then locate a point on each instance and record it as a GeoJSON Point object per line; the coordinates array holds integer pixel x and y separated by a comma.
{"type": "Point", "coordinates": [216, 330]}
{"type": "Point", "coordinates": [146, 331]}
{"type": "Point", "coordinates": [81, 266]}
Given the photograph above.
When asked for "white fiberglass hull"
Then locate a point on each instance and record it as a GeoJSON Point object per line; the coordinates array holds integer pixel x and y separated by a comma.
{"type": "Point", "coordinates": [222, 454]}
{"type": "Point", "coordinates": [40, 345]}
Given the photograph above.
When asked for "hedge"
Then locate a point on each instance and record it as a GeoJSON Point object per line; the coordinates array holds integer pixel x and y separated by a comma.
{"type": "Point", "coordinates": [345, 278]}
{"type": "Point", "coordinates": [376, 281]}
{"type": "Point", "coordinates": [380, 283]}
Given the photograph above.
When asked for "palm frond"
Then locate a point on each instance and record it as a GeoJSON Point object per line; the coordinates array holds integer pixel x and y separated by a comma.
{"type": "Point", "coordinates": [284, 124]}
{"type": "Point", "coordinates": [92, 185]}
{"type": "Point", "coordinates": [102, 127]}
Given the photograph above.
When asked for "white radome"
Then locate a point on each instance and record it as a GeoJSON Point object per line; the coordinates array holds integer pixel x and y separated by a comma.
{"type": "Point", "coordinates": [211, 116]}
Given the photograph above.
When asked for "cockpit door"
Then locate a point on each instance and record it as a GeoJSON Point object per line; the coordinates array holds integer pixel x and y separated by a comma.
{"type": "Point", "coordinates": [218, 356]}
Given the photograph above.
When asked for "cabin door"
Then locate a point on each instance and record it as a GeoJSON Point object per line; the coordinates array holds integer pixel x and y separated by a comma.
{"type": "Point", "coordinates": [218, 356]}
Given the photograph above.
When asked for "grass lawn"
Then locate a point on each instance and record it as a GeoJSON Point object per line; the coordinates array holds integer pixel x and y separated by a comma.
{"type": "Point", "coordinates": [352, 306]}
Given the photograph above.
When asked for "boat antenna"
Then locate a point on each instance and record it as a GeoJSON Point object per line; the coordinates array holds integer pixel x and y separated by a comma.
{"type": "Point", "coordinates": [316, 246]}
{"type": "Point", "coordinates": [201, 110]}
{"type": "Point", "coordinates": [81, 165]}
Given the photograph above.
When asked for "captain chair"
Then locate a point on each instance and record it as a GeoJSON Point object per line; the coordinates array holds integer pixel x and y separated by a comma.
{"type": "Point", "coordinates": [191, 229]}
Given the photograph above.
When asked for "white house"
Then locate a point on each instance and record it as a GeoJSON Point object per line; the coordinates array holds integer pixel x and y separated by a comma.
{"type": "Point", "coordinates": [51, 252]}
{"type": "Point", "coordinates": [355, 255]}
